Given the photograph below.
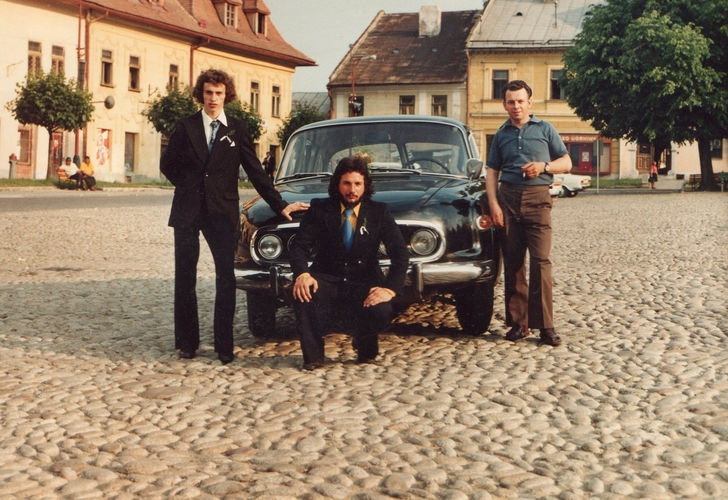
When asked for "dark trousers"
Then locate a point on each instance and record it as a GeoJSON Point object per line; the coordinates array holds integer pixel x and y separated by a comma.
{"type": "Point", "coordinates": [337, 306]}
{"type": "Point", "coordinates": [219, 232]}
{"type": "Point", "coordinates": [527, 214]}
{"type": "Point", "coordinates": [78, 177]}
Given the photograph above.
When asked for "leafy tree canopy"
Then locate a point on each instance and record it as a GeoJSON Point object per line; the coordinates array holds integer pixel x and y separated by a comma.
{"type": "Point", "coordinates": [165, 111]}
{"type": "Point", "coordinates": [51, 102]}
{"type": "Point", "coordinates": [652, 71]}
{"type": "Point", "coordinates": [301, 114]}
{"type": "Point", "coordinates": [242, 111]}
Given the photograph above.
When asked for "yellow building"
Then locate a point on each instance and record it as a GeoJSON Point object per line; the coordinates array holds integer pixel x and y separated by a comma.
{"type": "Point", "coordinates": [129, 51]}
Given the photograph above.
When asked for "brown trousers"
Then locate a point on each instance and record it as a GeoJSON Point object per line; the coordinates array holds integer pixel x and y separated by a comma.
{"type": "Point", "coordinates": [527, 215]}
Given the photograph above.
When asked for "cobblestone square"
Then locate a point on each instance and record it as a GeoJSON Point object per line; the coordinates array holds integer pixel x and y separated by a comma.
{"type": "Point", "coordinates": [94, 402]}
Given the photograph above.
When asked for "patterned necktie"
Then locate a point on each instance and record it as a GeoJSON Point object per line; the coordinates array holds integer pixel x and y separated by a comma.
{"type": "Point", "coordinates": [347, 232]}
{"type": "Point", "coordinates": [214, 125]}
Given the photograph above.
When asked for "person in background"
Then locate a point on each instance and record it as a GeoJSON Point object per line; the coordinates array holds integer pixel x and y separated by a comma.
{"type": "Point", "coordinates": [526, 151]}
{"type": "Point", "coordinates": [269, 164]}
{"type": "Point", "coordinates": [202, 161]}
{"type": "Point", "coordinates": [344, 287]}
{"type": "Point", "coordinates": [87, 174]}
{"type": "Point", "coordinates": [72, 172]}
{"type": "Point", "coordinates": [653, 174]}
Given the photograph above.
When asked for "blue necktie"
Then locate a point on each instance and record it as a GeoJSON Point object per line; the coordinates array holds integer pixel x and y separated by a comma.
{"type": "Point", "coordinates": [214, 125]}
{"type": "Point", "coordinates": [347, 231]}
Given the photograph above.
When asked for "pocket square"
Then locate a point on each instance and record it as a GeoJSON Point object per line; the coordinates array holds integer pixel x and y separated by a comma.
{"type": "Point", "coordinates": [232, 144]}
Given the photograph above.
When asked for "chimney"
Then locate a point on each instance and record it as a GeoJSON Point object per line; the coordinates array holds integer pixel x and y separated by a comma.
{"type": "Point", "coordinates": [430, 20]}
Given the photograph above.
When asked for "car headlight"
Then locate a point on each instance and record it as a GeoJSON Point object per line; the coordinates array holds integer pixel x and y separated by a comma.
{"type": "Point", "coordinates": [270, 246]}
{"type": "Point", "coordinates": [423, 242]}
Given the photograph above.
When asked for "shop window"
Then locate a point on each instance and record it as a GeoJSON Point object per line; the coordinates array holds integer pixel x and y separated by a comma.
{"type": "Point", "coordinates": [356, 106]}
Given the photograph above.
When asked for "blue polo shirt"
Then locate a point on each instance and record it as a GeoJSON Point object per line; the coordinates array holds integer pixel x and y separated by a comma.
{"type": "Point", "coordinates": [512, 148]}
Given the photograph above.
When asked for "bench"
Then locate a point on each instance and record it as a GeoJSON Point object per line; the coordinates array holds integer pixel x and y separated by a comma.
{"type": "Point", "coordinates": [63, 180]}
{"type": "Point", "coordinates": [694, 180]}
{"type": "Point", "coordinates": [722, 180]}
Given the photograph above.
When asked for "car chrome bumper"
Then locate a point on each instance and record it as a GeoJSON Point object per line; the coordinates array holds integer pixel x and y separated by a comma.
{"type": "Point", "coordinates": [419, 276]}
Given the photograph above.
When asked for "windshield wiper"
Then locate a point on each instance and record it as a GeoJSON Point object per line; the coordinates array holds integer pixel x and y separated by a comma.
{"type": "Point", "coordinates": [303, 175]}
{"type": "Point", "coordinates": [395, 169]}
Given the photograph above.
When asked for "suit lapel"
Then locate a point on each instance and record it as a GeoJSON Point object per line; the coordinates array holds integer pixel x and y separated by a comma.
{"type": "Point", "coordinates": [197, 137]}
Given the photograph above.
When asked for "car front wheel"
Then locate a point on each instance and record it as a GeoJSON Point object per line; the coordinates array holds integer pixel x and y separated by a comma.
{"type": "Point", "coordinates": [261, 314]}
{"type": "Point", "coordinates": [474, 306]}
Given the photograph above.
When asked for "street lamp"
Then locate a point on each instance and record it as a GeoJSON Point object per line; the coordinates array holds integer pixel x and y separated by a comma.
{"type": "Point", "coordinates": [355, 107]}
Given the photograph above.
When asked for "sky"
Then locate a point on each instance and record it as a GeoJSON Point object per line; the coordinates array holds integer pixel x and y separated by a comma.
{"type": "Point", "coordinates": [324, 29]}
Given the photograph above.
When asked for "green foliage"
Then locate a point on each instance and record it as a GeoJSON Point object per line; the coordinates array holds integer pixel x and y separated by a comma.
{"type": "Point", "coordinates": [301, 114]}
{"type": "Point", "coordinates": [48, 100]}
{"type": "Point", "coordinates": [242, 111]}
{"type": "Point", "coordinates": [165, 111]}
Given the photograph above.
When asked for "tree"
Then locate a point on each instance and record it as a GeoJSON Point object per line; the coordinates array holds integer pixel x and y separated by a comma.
{"type": "Point", "coordinates": [165, 111]}
{"type": "Point", "coordinates": [242, 111]}
{"type": "Point", "coordinates": [652, 71]}
{"type": "Point", "coordinates": [51, 102]}
{"type": "Point", "coordinates": [301, 114]}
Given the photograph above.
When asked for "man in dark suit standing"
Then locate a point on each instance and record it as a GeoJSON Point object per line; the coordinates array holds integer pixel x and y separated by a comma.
{"type": "Point", "coordinates": [202, 161]}
{"type": "Point", "coordinates": [343, 233]}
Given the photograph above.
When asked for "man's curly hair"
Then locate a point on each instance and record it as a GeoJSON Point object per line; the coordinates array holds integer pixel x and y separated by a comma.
{"type": "Point", "coordinates": [351, 164]}
{"type": "Point", "coordinates": [216, 77]}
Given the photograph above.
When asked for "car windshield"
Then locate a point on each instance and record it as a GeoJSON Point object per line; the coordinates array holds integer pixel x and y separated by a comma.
{"type": "Point", "coordinates": [388, 145]}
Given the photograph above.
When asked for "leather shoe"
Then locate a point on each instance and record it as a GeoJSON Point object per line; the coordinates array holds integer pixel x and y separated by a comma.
{"type": "Point", "coordinates": [313, 365]}
{"type": "Point", "coordinates": [225, 358]}
{"type": "Point", "coordinates": [370, 361]}
{"type": "Point", "coordinates": [549, 337]}
{"type": "Point", "coordinates": [518, 332]}
{"type": "Point", "coordinates": [187, 353]}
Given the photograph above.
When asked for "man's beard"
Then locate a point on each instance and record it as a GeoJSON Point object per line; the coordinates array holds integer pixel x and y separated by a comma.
{"type": "Point", "coordinates": [347, 203]}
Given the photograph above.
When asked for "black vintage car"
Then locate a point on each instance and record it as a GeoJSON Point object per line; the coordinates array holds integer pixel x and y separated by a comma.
{"type": "Point", "coordinates": [427, 169]}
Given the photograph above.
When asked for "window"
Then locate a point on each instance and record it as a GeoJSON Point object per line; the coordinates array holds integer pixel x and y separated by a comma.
{"type": "Point", "coordinates": [439, 105]}
{"type": "Point", "coordinates": [716, 149]}
{"type": "Point", "coordinates": [500, 79]}
{"type": "Point", "coordinates": [107, 66]}
{"type": "Point", "coordinates": [24, 146]}
{"type": "Point", "coordinates": [134, 69]}
{"type": "Point", "coordinates": [261, 23]}
{"type": "Point", "coordinates": [356, 106]}
{"type": "Point", "coordinates": [58, 59]}
{"type": "Point", "coordinates": [173, 75]}
{"type": "Point", "coordinates": [231, 15]}
{"type": "Point", "coordinates": [406, 105]}
{"type": "Point", "coordinates": [556, 91]}
{"type": "Point", "coordinates": [254, 96]}
{"type": "Point", "coordinates": [34, 53]}
{"type": "Point", "coordinates": [276, 104]}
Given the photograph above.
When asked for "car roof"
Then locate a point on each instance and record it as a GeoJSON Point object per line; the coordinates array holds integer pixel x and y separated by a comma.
{"type": "Point", "coordinates": [386, 118]}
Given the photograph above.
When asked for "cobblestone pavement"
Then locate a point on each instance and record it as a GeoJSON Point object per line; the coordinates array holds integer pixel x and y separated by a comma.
{"type": "Point", "coordinates": [95, 404]}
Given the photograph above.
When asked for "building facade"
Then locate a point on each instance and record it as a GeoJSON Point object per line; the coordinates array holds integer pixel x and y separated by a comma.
{"type": "Point", "coordinates": [129, 51]}
{"type": "Point", "coordinates": [411, 63]}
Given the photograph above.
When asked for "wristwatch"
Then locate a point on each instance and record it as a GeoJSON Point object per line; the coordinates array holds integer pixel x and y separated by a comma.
{"type": "Point", "coordinates": [546, 168]}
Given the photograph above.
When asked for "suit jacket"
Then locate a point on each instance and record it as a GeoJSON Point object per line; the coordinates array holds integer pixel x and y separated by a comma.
{"type": "Point", "coordinates": [212, 178]}
{"type": "Point", "coordinates": [320, 235]}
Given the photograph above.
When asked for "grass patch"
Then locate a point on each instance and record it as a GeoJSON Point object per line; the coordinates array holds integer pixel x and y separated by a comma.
{"type": "Point", "coordinates": [100, 184]}
{"type": "Point", "coordinates": [617, 183]}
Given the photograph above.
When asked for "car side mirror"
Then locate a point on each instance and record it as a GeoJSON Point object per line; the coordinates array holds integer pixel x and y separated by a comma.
{"type": "Point", "coordinates": [474, 167]}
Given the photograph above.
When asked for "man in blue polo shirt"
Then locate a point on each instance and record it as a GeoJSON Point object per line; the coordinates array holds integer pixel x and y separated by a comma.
{"type": "Point", "coordinates": [525, 153]}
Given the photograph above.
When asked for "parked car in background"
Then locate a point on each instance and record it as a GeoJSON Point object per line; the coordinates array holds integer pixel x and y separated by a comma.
{"type": "Point", "coordinates": [571, 184]}
{"type": "Point", "coordinates": [427, 169]}
{"type": "Point", "coordinates": [555, 188]}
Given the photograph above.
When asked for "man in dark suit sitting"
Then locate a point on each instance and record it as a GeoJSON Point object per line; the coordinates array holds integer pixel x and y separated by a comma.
{"type": "Point", "coordinates": [342, 234]}
{"type": "Point", "coordinates": [202, 161]}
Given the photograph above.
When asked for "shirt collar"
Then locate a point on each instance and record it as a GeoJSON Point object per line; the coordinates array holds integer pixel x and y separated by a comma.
{"type": "Point", "coordinates": [206, 120]}
{"type": "Point", "coordinates": [356, 208]}
{"type": "Point", "coordinates": [532, 119]}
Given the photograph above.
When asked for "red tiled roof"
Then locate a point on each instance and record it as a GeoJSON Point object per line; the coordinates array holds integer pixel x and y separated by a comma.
{"type": "Point", "coordinates": [199, 19]}
{"type": "Point", "coordinates": [403, 57]}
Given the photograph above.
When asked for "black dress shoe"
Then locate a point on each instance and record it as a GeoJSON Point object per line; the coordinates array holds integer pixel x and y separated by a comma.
{"type": "Point", "coordinates": [550, 337]}
{"type": "Point", "coordinates": [225, 358]}
{"type": "Point", "coordinates": [187, 353]}
{"type": "Point", "coordinates": [518, 332]}
{"type": "Point", "coordinates": [369, 361]}
{"type": "Point", "coordinates": [313, 365]}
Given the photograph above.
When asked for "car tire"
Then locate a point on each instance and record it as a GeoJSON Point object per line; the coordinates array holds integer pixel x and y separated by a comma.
{"type": "Point", "coordinates": [262, 308]}
{"type": "Point", "coordinates": [474, 307]}
{"type": "Point", "coordinates": [564, 192]}
{"type": "Point", "coordinates": [573, 193]}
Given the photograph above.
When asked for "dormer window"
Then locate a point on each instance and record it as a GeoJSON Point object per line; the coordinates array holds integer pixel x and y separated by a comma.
{"type": "Point", "coordinates": [261, 28]}
{"type": "Point", "coordinates": [228, 10]}
{"type": "Point", "coordinates": [256, 13]}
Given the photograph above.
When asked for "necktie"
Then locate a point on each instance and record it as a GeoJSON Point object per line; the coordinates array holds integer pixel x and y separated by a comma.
{"type": "Point", "coordinates": [214, 125]}
{"type": "Point", "coordinates": [347, 232]}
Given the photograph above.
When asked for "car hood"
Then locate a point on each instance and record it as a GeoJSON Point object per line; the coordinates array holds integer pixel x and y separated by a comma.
{"type": "Point", "coordinates": [402, 192]}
